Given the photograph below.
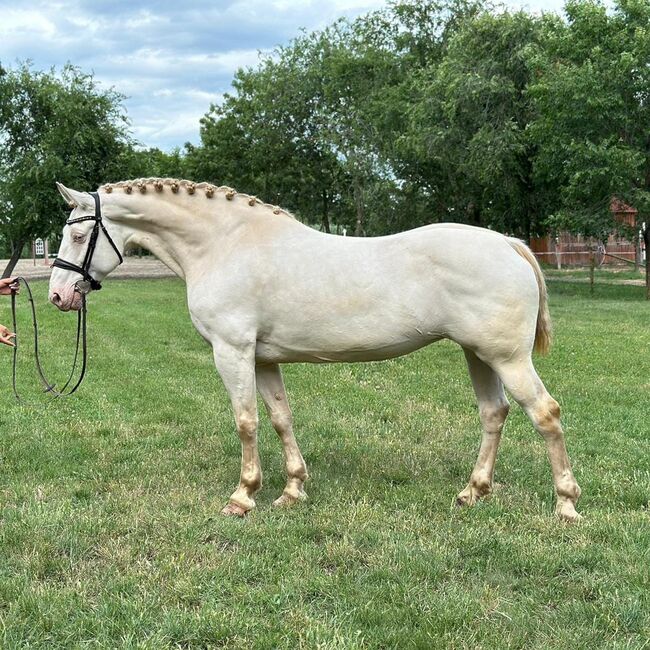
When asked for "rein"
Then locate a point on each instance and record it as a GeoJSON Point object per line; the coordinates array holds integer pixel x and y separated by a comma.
{"type": "Point", "coordinates": [88, 283]}
{"type": "Point", "coordinates": [81, 342]}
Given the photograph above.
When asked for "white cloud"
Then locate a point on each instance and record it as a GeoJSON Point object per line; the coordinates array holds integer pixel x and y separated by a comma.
{"type": "Point", "coordinates": [169, 62]}
{"type": "Point", "coordinates": [20, 24]}
{"type": "Point", "coordinates": [164, 128]}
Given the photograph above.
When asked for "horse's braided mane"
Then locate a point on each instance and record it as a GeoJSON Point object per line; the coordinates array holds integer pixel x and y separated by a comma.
{"type": "Point", "coordinates": [144, 185]}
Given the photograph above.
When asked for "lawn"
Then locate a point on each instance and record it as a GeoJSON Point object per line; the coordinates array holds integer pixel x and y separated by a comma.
{"type": "Point", "coordinates": [618, 274]}
{"type": "Point", "coordinates": [110, 533]}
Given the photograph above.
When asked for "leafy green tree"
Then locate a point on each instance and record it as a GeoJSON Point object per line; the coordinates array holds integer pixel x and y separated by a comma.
{"type": "Point", "coordinates": [134, 162]}
{"type": "Point", "coordinates": [261, 139]}
{"type": "Point", "coordinates": [466, 139]}
{"type": "Point", "coordinates": [52, 127]}
{"type": "Point", "coordinates": [314, 125]}
{"type": "Point", "coordinates": [591, 92]}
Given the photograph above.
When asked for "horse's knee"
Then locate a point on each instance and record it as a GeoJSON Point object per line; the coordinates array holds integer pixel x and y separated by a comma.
{"type": "Point", "coordinates": [547, 418]}
{"type": "Point", "coordinates": [493, 416]}
{"type": "Point", "coordinates": [554, 408]}
{"type": "Point", "coordinates": [281, 420]}
{"type": "Point", "coordinates": [246, 425]}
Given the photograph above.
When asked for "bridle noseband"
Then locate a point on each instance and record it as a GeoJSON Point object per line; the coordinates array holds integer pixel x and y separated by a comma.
{"type": "Point", "coordinates": [84, 269]}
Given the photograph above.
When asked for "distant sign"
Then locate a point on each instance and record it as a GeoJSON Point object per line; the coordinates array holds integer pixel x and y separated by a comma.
{"type": "Point", "coordinates": [39, 247]}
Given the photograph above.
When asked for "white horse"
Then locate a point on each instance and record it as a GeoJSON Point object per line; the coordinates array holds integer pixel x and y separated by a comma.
{"type": "Point", "coordinates": [264, 289]}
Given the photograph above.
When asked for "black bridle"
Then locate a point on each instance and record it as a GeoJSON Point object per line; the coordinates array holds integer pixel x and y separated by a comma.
{"type": "Point", "coordinates": [91, 283]}
{"type": "Point", "coordinates": [84, 269]}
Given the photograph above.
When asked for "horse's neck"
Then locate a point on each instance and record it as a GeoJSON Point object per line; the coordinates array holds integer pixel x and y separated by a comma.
{"type": "Point", "coordinates": [174, 233]}
{"type": "Point", "coordinates": [187, 233]}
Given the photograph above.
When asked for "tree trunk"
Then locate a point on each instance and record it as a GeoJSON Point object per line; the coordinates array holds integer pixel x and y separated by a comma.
{"type": "Point", "coordinates": [358, 200]}
{"type": "Point", "coordinates": [325, 217]}
{"type": "Point", "coordinates": [592, 266]}
{"type": "Point", "coordinates": [15, 256]}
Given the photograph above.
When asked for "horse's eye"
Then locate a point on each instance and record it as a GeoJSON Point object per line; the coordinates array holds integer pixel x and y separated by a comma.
{"type": "Point", "coordinates": [78, 238]}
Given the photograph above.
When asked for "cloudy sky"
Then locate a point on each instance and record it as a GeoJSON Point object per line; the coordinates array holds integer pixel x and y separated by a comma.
{"type": "Point", "coordinates": [171, 59]}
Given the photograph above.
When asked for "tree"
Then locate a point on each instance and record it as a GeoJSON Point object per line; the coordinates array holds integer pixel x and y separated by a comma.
{"type": "Point", "coordinates": [313, 126]}
{"type": "Point", "coordinates": [146, 163]}
{"type": "Point", "coordinates": [466, 138]}
{"type": "Point", "coordinates": [262, 139]}
{"type": "Point", "coordinates": [52, 127]}
{"type": "Point", "coordinates": [591, 93]}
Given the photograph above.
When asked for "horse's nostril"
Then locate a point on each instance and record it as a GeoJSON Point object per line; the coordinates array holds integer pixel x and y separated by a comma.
{"type": "Point", "coordinates": [55, 299]}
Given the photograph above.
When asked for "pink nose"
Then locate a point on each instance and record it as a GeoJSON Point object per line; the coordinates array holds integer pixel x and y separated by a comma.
{"type": "Point", "coordinates": [55, 299]}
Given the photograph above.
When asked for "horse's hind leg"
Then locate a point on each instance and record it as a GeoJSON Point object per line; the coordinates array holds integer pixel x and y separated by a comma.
{"type": "Point", "coordinates": [493, 409]}
{"type": "Point", "coordinates": [271, 388]}
{"type": "Point", "coordinates": [526, 387]}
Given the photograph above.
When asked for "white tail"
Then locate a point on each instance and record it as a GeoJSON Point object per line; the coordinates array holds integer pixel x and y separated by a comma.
{"type": "Point", "coordinates": [544, 327]}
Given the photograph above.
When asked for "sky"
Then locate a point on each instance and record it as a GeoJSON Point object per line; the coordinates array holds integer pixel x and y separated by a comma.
{"type": "Point", "coordinates": [170, 59]}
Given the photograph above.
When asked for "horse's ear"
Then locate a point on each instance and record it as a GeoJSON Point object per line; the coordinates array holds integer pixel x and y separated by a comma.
{"type": "Point", "coordinates": [75, 199]}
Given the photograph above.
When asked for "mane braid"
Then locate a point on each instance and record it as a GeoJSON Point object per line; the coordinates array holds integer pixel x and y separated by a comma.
{"type": "Point", "coordinates": [157, 185]}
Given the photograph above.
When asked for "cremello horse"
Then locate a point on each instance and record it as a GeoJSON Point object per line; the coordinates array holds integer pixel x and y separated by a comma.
{"type": "Point", "coordinates": [264, 289]}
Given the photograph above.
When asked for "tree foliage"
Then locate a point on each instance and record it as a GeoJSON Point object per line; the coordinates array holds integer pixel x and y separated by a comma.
{"type": "Point", "coordinates": [592, 118]}
{"type": "Point", "coordinates": [52, 128]}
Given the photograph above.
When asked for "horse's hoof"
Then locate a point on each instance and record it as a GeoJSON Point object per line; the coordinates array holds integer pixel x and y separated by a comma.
{"type": "Point", "coordinates": [475, 490]}
{"type": "Point", "coordinates": [466, 498]}
{"type": "Point", "coordinates": [233, 510]}
{"type": "Point", "coordinates": [287, 500]}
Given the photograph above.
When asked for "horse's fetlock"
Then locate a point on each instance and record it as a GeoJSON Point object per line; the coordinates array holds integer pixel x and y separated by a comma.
{"type": "Point", "coordinates": [297, 471]}
{"type": "Point", "coordinates": [569, 489]}
{"type": "Point", "coordinates": [252, 481]}
{"type": "Point", "coordinates": [482, 484]}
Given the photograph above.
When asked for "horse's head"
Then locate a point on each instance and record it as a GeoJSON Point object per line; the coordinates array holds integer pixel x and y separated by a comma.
{"type": "Point", "coordinates": [91, 248]}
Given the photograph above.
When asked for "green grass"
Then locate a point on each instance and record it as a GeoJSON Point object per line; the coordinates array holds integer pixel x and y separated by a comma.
{"type": "Point", "coordinates": [110, 534]}
{"type": "Point", "coordinates": [603, 274]}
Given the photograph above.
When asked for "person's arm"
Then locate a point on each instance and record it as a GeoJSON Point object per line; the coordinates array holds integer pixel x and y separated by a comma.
{"type": "Point", "coordinates": [7, 285]}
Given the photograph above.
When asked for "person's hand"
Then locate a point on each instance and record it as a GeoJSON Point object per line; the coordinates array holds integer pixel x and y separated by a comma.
{"type": "Point", "coordinates": [6, 336]}
{"type": "Point", "coordinates": [7, 285]}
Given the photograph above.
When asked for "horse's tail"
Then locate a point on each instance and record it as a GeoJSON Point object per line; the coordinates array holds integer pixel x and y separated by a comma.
{"type": "Point", "coordinates": [544, 328]}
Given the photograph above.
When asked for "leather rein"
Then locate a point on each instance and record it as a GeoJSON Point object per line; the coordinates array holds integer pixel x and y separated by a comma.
{"type": "Point", "coordinates": [84, 286]}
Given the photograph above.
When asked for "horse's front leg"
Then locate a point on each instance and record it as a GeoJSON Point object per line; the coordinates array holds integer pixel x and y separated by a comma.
{"type": "Point", "coordinates": [236, 365]}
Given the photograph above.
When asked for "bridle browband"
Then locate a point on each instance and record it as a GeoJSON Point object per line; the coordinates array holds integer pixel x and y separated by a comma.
{"type": "Point", "coordinates": [84, 269]}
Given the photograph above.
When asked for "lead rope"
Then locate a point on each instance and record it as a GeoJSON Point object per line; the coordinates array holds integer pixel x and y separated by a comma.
{"type": "Point", "coordinates": [81, 339]}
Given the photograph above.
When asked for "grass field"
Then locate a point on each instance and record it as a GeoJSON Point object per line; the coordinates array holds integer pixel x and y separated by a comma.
{"type": "Point", "coordinates": [616, 275]}
{"type": "Point", "coordinates": [110, 535]}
